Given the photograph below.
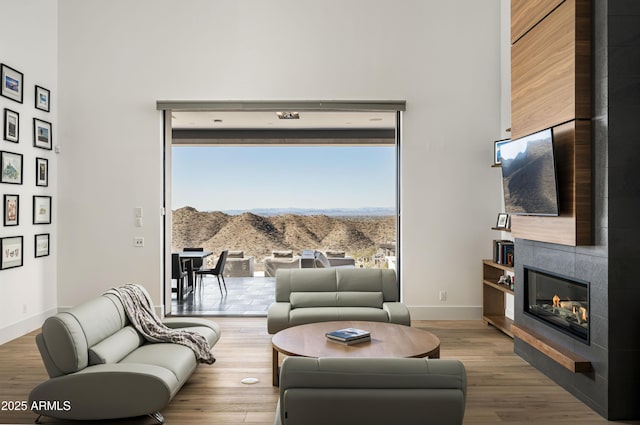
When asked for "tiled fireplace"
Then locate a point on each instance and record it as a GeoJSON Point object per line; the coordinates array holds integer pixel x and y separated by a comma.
{"type": "Point", "coordinates": [557, 301]}
{"type": "Point", "coordinates": [609, 266]}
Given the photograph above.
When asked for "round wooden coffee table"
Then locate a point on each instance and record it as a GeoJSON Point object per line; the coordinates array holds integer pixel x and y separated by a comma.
{"type": "Point", "coordinates": [387, 340]}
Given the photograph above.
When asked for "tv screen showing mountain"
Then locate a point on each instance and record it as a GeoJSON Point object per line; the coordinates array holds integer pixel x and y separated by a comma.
{"type": "Point", "coordinates": [529, 175]}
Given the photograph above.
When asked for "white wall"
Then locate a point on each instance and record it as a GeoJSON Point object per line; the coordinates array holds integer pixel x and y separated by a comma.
{"type": "Point", "coordinates": [28, 294]}
{"type": "Point", "coordinates": [117, 57]}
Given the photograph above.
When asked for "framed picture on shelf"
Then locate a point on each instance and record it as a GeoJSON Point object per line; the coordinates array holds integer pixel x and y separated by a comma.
{"type": "Point", "coordinates": [11, 125]}
{"type": "Point", "coordinates": [41, 209]}
{"type": "Point", "coordinates": [503, 221]}
{"type": "Point", "coordinates": [41, 244]}
{"type": "Point", "coordinates": [12, 83]}
{"type": "Point", "coordinates": [42, 98]}
{"type": "Point", "coordinates": [11, 210]}
{"type": "Point", "coordinates": [42, 172]}
{"type": "Point", "coordinates": [497, 155]}
{"type": "Point", "coordinates": [41, 134]}
{"type": "Point", "coordinates": [10, 252]}
{"type": "Point", "coordinates": [10, 167]}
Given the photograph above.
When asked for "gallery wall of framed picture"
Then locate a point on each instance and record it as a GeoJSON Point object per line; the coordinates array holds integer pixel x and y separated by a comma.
{"type": "Point", "coordinates": [26, 144]}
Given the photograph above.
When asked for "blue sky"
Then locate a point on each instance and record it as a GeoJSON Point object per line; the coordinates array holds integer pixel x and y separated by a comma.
{"type": "Point", "coordinates": [224, 178]}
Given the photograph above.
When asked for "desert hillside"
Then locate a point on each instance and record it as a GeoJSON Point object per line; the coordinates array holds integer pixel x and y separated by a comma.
{"type": "Point", "coordinates": [258, 236]}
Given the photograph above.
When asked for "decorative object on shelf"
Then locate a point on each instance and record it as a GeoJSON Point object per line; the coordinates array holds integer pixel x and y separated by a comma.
{"type": "Point", "coordinates": [11, 210]}
{"type": "Point", "coordinates": [503, 221]}
{"type": "Point", "coordinates": [10, 167]}
{"type": "Point", "coordinates": [42, 134]}
{"type": "Point", "coordinates": [11, 125]}
{"type": "Point", "coordinates": [41, 243]}
{"type": "Point", "coordinates": [10, 252]}
{"type": "Point", "coordinates": [497, 155]}
{"type": "Point", "coordinates": [42, 172]}
{"type": "Point", "coordinates": [12, 83]}
{"type": "Point", "coordinates": [42, 98]}
{"type": "Point", "coordinates": [42, 210]}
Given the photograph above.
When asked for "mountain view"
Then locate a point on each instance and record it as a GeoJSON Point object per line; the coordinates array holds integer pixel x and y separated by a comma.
{"type": "Point", "coordinates": [359, 236]}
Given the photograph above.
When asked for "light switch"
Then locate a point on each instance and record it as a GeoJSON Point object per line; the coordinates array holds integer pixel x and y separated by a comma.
{"type": "Point", "coordinates": [139, 222]}
{"type": "Point", "coordinates": [138, 212]}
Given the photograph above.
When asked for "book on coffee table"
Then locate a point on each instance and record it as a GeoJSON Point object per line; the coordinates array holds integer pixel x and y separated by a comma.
{"type": "Point", "coordinates": [351, 341]}
{"type": "Point", "coordinates": [349, 335]}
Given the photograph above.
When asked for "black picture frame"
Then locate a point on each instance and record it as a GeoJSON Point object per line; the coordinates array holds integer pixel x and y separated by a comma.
{"type": "Point", "coordinates": [10, 167]}
{"type": "Point", "coordinates": [11, 207]}
{"type": "Point", "coordinates": [43, 97]}
{"type": "Point", "coordinates": [11, 252]}
{"type": "Point", "coordinates": [12, 82]}
{"type": "Point", "coordinates": [503, 221]}
{"type": "Point", "coordinates": [11, 126]}
{"type": "Point", "coordinates": [42, 134]}
{"type": "Point", "coordinates": [42, 172]}
{"type": "Point", "coordinates": [41, 209]}
{"type": "Point", "coordinates": [41, 245]}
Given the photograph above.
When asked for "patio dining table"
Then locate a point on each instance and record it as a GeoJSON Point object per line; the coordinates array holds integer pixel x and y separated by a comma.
{"type": "Point", "coordinates": [187, 257]}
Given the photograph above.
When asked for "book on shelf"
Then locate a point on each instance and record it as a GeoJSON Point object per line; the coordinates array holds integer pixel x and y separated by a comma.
{"type": "Point", "coordinates": [351, 341]}
{"type": "Point", "coordinates": [348, 334]}
{"type": "Point", "coordinates": [503, 252]}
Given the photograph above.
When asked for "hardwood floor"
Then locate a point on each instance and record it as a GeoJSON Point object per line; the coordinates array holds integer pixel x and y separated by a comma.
{"type": "Point", "coordinates": [502, 388]}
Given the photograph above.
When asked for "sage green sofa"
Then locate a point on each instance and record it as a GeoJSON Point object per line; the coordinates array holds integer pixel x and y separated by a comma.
{"type": "Point", "coordinates": [324, 295]}
{"type": "Point", "coordinates": [372, 391]}
{"type": "Point", "coordinates": [100, 367]}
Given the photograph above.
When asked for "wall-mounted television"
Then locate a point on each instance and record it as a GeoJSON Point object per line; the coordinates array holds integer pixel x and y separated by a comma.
{"type": "Point", "coordinates": [529, 175]}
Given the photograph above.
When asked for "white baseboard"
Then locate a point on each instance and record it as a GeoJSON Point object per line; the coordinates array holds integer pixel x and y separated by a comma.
{"type": "Point", "coordinates": [25, 326]}
{"type": "Point", "coordinates": [446, 313]}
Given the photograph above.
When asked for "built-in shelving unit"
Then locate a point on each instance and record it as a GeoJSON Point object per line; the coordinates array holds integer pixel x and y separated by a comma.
{"type": "Point", "coordinates": [493, 303]}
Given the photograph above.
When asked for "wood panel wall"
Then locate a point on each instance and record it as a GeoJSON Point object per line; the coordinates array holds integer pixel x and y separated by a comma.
{"type": "Point", "coordinates": [551, 71]}
{"type": "Point", "coordinates": [551, 88]}
{"type": "Point", "coordinates": [525, 14]}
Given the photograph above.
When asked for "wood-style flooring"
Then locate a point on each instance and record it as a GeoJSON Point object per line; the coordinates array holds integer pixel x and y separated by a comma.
{"type": "Point", "coordinates": [502, 388]}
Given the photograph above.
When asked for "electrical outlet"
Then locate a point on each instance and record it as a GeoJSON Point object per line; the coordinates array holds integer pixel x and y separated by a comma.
{"type": "Point", "coordinates": [138, 242]}
{"type": "Point", "coordinates": [443, 295]}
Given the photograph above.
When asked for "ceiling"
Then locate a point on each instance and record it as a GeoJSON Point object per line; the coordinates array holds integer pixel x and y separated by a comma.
{"type": "Point", "coordinates": [228, 120]}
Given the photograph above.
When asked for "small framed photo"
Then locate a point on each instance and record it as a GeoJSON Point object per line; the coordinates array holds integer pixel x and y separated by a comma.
{"type": "Point", "coordinates": [42, 172]}
{"type": "Point", "coordinates": [12, 83]}
{"type": "Point", "coordinates": [497, 156]}
{"type": "Point", "coordinates": [11, 125]}
{"type": "Point", "coordinates": [503, 221]}
{"type": "Point", "coordinates": [41, 244]}
{"type": "Point", "coordinates": [10, 167]}
{"type": "Point", "coordinates": [10, 252]}
{"type": "Point", "coordinates": [42, 98]}
{"type": "Point", "coordinates": [41, 209]}
{"type": "Point", "coordinates": [42, 134]}
{"type": "Point", "coordinates": [11, 210]}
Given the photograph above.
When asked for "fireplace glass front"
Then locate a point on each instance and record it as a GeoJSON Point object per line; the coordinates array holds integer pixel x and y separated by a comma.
{"type": "Point", "coordinates": [558, 301]}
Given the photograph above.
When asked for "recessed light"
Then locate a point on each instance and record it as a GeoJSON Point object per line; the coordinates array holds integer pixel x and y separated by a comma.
{"type": "Point", "coordinates": [288, 115]}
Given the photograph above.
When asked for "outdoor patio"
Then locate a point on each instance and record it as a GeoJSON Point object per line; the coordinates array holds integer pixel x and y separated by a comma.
{"type": "Point", "coordinates": [246, 296]}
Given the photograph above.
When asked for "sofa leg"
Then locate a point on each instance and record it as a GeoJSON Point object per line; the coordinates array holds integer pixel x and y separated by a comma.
{"type": "Point", "coordinates": [158, 417]}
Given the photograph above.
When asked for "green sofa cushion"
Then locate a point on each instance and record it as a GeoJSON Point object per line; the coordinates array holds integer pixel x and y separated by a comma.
{"type": "Point", "coordinates": [115, 347]}
{"type": "Point", "coordinates": [336, 299]}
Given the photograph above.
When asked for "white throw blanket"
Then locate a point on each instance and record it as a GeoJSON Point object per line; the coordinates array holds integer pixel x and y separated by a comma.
{"type": "Point", "coordinates": [137, 305]}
